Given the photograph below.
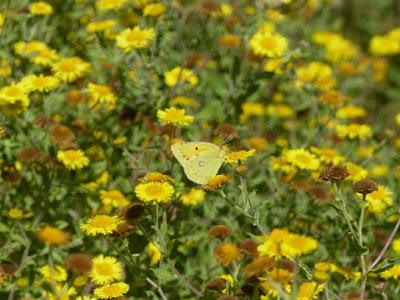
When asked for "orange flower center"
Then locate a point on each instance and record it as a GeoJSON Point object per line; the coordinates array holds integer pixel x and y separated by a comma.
{"type": "Point", "coordinates": [269, 43]}
{"type": "Point", "coordinates": [104, 269]}
{"type": "Point", "coordinates": [102, 221]}
{"type": "Point", "coordinates": [154, 190]}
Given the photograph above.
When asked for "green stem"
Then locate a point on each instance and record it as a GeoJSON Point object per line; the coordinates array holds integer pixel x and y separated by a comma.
{"type": "Point", "coordinates": [362, 255]}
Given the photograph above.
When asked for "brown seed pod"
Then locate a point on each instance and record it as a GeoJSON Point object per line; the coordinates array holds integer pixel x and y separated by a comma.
{"type": "Point", "coordinates": [79, 262]}
{"type": "Point", "coordinates": [334, 173]}
{"type": "Point", "coordinates": [258, 266]}
{"type": "Point", "coordinates": [220, 231]}
{"type": "Point", "coordinates": [216, 284]}
{"type": "Point", "coordinates": [61, 135]}
{"type": "Point", "coordinates": [365, 187]}
{"type": "Point", "coordinates": [29, 154]}
{"type": "Point", "coordinates": [249, 247]}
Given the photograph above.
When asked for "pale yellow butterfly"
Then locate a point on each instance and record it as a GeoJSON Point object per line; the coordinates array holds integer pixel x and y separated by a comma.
{"type": "Point", "coordinates": [200, 160]}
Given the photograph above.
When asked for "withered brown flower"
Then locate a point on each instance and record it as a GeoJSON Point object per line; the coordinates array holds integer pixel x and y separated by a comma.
{"type": "Point", "coordinates": [334, 173]}
{"type": "Point", "coordinates": [365, 187]}
{"type": "Point", "coordinates": [220, 231]}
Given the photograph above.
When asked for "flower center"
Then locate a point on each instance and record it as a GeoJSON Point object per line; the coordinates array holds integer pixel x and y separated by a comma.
{"type": "Point", "coordinates": [154, 190]}
{"type": "Point", "coordinates": [268, 43]}
{"type": "Point", "coordinates": [104, 269]}
{"type": "Point", "coordinates": [134, 36]}
{"type": "Point", "coordinates": [13, 91]}
{"type": "Point", "coordinates": [102, 221]}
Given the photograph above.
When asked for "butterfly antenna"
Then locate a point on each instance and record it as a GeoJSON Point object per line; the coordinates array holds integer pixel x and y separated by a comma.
{"type": "Point", "coordinates": [228, 139]}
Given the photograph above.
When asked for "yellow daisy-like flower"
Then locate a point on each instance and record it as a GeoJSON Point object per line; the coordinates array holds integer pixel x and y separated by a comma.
{"type": "Point", "coordinates": [258, 143]}
{"type": "Point", "coordinates": [105, 5]}
{"type": "Point", "coordinates": [268, 44]}
{"type": "Point", "coordinates": [58, 274]}
{"type": "Point", "coordinates": [40, 83]}
{"type": "Point", "coordinates": [280, 110]}
{"type": "Point", "coordinates": [302, 159]}
{"type": "Point", "coordinates": [184, 101]}
{"type": "Point", "coordinates": [41, 8]}
{"type": "Point", "coordinates": [15, 93]}
{"type": "Point", "coordinates": [357, 173]}
{"type": "Point", "coordinates": [180, 75]}
{"type": "Point", "coordinates": [53, 236]}
{"type": "Point", "coordinates": [160, 192]}
{"type": "Point", "coordinates": [239, 156]}
{"type": "Point", "coordinates": [135, 38]}
{"type": "Point", "coordinates": [45, 57]}
{"type": "Point", "coordinates": [111, 291]}
{"type": "Point", "coordinates": [353, 131]}
{"type": "Point", "coordinates": [2, 20]}
{"type": "Point", "coordinates": [5, 68]}
{"type": "Point", "coordinates": [383, 45]}
{"type": "Point", "coordinates": [73, 159]}
{"type": "Point", "coordinates": [101, 225]}
{"type": "Point", "coordinates": [101, 26]}
{"type": "Point", "coordinates": [71, 68]}
{"type": "Point", "coordinates": [60, 292]}
{"type": "Point", "coordinates": [317, 73]}
{"type": "Point", "coordinates": [27, 48]}
{"type": "Point", "coordinates": [216, 182]}
{"type": "Point", "coordinates": [15, 213]}
{"type": "Point", "coordinates": [194, 197]}
{"type": "Point", "coordinates": [393, 272]}
{"type": "Point", "coordinates": [114, 198]}
{"type": "Point", "coordinates": [351, 112]}
{"type": "Point", "coordinates": [101, 94]}
{"type": "Point", "coordinates": [154, 10]}
{"type": "Point", "coordinates": [174, 116]}
{"type": "Point", "coordinates": [153, 251]}
{"type": "Point", "coordinates": [105, 269]}
{"type": "Point", "coordinates": [156, 176]}
{"type": "Point", "coordinates": [309, 290]}
{"type": "Point", "coordinates": [251, 109]}
{"type": "Point", "coordinates": [378, 201]}
{"type": "Point", "coordinates": [276, 276]}
{"type": "Point", "coordinates": [282, 243]}
{"type": "Point", "coordinates": [327, 155]}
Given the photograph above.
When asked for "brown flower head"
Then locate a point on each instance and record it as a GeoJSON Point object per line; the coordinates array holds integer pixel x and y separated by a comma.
{"type": "Point", "coordinates": [128, 116]}
{"type": "Point", "coordinates": [241, 170]}
{"type": "Point", "coordinates": [29, 154]}
{"type": "Point", "coordinates": [320, 193]}
{"type": "Point", "coordinates": [226, 129]}
{"type": "Point", "coordinates": [44, 121]}
{"type": "Point", "coordinates": [258, 266]}
{"type": "Point", "coordinates": [210, 6]}
{"type": "Point", "coordinates": [61, 135]}
{"type": "Point", "coordinates": [220, 231]}
{"type": "Point", "coordinates": [10, 174]}
{"type": "Point", "coordinates": [132, 212]}
{"type": "Point", "coordinates": [249, 247]}
{"type": "Point", "coordinates": [227, 253]}
{"type": "Point", "coordinates": [123, 229]}
{"type": "Point", "coordinates": [216, 182]}
{"type": "Point", "coordinates": [334, 173]}
{"type": "Point", "coordinates": [216, 284]}
{"type": "Point", "coordinates": [79, 262]}
{"type": "Point", "coordinates": [8, 268]}
{"type": "Point", "coordinates": [365, 187]}
{"type": "Point", "coordinates": [74, 97]}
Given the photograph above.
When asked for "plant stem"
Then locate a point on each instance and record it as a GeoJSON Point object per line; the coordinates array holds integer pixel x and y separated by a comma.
{"type": "Point", "coordinates": [362, 255]}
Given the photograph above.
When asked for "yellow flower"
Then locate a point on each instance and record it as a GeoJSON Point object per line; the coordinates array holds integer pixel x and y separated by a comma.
{"type": "Point", "coordinates": [194, 197]}
{"type": "Point", "coordinates": [71, 68]}
{"type": "Point", "coordinates": [396, 246]}
{"type": "Point", "coordinates": [302, 159]}
{"type": "Point", "coordinates": [351, 112]}
{"type": "Point", "coordinates": [101, 94]}
{"type": "Point", "coordinates": [216, 182]}
{"type": "Point", "coordinates": [357, 173]}
{"type": "Point", "coordinates": [384, 45]}
{"type": "Point", "coordinates": [113, 290]}
{"type": "Point", "coordinates": [135, 38]}
{"type": "Point", "coordinates": [378, 201]}
{"type": "Point", "coordinates": [327, 155]}
{"type": "Point", "coordinates": [281, 243]}
{"type": "Point", "coordinates": [316, 73]}
{"type": "Point", "coordinates": [276, 276]}
{"type": "Point", "coordinates": [160, 192]}
{"type": "Point", "coordinates": [58, 274]}
{"type": "Point", "coordinates": [80, 281]}
{"type": "Point", "coordinates": [5, 67]}
{"type": "Point", "coordinates": [180, 75]}
{"type": "Point", "coordinates": [227, 253]}
{"type": "Point", "coordinates": [15, 94]}
{"type": "Point", "coordinates": [40, 83]}
{"type": "Point", "coordinates": [353, 131]}
{"type": "Point", "coordinates": [15, 213]}
{"type": "Point", "coordinates": [280, 110]}
{"type": "Point", "coordinates": [258, 143]}
{"type": "Point", "coordinates": [105, 5]}
{"type": "Point", "coordinates": [309, 290]}
{"type": "Point", "coordinates": [183, 101]}
{"type": "Point", "coordinates": [22, 282]}
{"type": "Point", "coordinates": [27, 48]}
{"type": "Point", "coordinates": [101, 224]}
{"type": "Point", "coordinates": [105, 269]}
{"type": "Point", "coordinates": [40, 8]}
{"type": "Point", "coordinates": [230, 41]}
{"type": "Point", "coordinates": [156, 176]}
{"type": "Point", "coordinates": [2, 20]}
{"type": "Point", "coordinates": [119, 140]}
{"type": "Point", "coordinates": [114, 198]}
{"type": "Point", "coordinates": [45, 57]}
{"type": "Point", "coordinates": [239, 156]}
{"type": "Point", "coordinates": [53, 236]}
{"type": "Point", "coordinates": [153, 251]}
{"type": "Point", "coordinates": [393, 272]}
{"type": "Point", "coordinates": [269, 44]}
{"type": "Point", "coordinates": [332, 98]}
{"type": "Point", "coordinates": [101, 26]}
{"type": "Point", "coordinates": [251, 109]}
{"type": "Point", "coordinates": [174, 116]}
{"type": "Point", "coordinates": [154, 9]}
{"type": "Point", "coordinates": [60, 292]}
{"type": "Point", "coordinates": [380, 170]}
{"type": "Point", "coordinates": [73, 159]}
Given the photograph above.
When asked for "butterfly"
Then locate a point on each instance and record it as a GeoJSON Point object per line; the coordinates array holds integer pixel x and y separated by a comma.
{"type": "Point", "coordinates": [200, 160]}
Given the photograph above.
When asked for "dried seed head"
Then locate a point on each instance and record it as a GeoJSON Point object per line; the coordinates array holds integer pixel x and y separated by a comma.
{"type": "Point", "coordinates": [365, 187]}
{"type": "Point", "coordinates": [226, 129]}
{"type": "Point", "coordinates": [320, 193]}
{"type": "Point", "coordinates": [10, 174]}
{"type": "Point", "coordinates": [79, 262]}
{"type": "Point", "coordinates": [29, 154]}
{"type": "Point", "coordinates": [242, 170]}
{"type": "Point", "coordinates": [61, 135]}
{"type": "Point", "coordinates": [334, 173]}
{"type": "Point", "coordinates": [216, 284]}
{"type": "Point", "coordinates": [127, 116]}
{"type": "Point", "coordinates": [74, 97]}
{"type": "Point", "coordinates": [123, 229]}
{"type": "Point", "coordinates": [220, 231]}
{"type": "Point", "coordinates": [132, 212]}
{"type": "Point", "coordinates": [8, 268]}
{"type": "Point", "coordinates": [258, 266]}
{"type": "Point", "coordinates": [44, 121]}
{"type": "Point", "coordinates": [249, 247]}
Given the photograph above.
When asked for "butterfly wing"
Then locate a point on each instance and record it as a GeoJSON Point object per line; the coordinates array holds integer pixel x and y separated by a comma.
{"type": "Point", "coordinates": [200, 160]}
{"type": "Point", "coordinates": [200, 169]}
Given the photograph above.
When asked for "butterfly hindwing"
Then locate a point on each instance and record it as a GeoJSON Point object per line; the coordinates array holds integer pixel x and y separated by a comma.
{"type": "Point", "coordinates": [200, 160]}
